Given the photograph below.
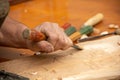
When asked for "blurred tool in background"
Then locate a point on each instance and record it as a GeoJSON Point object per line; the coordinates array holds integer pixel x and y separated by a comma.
{"type": "Point", "coordinates": [86, 28]}
{"type": "Point", "coordinates": [116, 32]}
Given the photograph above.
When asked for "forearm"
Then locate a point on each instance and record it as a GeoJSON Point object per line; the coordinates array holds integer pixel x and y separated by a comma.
{"type": "Point", "coordinates": [11, 34]}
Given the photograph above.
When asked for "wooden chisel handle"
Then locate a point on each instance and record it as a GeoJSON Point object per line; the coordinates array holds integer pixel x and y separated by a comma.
{"type": "Point", "coordinates": [33, 35]}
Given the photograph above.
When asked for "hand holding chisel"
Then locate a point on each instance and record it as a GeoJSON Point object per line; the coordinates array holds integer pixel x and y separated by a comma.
{"type": "Point", "coordinates": [52, 36]}
{"type": "Point", "coordinates": [36, 36]}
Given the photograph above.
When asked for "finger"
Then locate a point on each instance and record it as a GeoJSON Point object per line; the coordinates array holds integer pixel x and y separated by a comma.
{"type": "Point", "coordinates": [46, 28]}
{"type": "Point", "coordinates": [42, 46]}
{"type": "Point", "coordinates": [50, 31]}
{"type": "Point", "coordinates": [45, 46]}
{"type": "Point", "coordinates": [63, 42]}
{"type": "Point", "coordinates": [56, 35]}
{"type": "Point", "coordinates": [68, 42]}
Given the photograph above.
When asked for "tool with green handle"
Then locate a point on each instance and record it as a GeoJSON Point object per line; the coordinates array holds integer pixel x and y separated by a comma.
{"type": "Point", "coordinates": [116, 32]}
{"type": "Point", "coordinates": [87, 27]}
{"type": "Point", "coordinates": [84, 30]}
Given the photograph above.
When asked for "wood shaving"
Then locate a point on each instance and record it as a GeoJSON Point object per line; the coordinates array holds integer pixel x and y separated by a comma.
{"type": "Point", "coordinates": [34, 73]}
{"type": "Point", "coordinates": [104, 32]}
{"type": "Point", "coordinates": [116, 26]}
{"type": "Point", "coordinates": [84, 36]}
{"type": "Point", "coordinates": [113, 26]}
{"type": "Point", "coordinates": [37, 53]}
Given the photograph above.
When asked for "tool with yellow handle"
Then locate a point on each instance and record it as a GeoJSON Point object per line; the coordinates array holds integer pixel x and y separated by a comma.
{"type": "Point", "coordinates": [84, 30]}
{"type": "Point", "coordinates": [87, 27]}
{"type": "Point", "coordinates": [38, 36]}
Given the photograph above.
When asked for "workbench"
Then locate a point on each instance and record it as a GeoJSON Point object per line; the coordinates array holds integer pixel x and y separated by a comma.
{"type": "Point", "coordinates": [92, 63]}
{"type": "Point", "coordinates": [99, 60]}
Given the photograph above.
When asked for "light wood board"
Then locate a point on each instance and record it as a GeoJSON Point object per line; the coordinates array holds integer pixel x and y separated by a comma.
{"type": "Point", "coordinates": [100, 60]}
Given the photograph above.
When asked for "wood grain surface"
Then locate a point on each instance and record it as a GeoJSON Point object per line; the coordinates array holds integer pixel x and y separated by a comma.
{"type": "Point", "coordinates": [76, 12]}
{"type": "Point", "coordinates": [99, 60]}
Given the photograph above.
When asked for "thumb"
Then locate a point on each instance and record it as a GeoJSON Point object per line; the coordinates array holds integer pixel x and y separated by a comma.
{"type": "Point", "coordinates": [42, 46]}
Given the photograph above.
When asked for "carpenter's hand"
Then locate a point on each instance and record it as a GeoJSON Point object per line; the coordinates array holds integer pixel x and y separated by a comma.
{"type": "Point", "coordinates": [13, 37]}
{"type": "Point", "coordinates": [57, 39]}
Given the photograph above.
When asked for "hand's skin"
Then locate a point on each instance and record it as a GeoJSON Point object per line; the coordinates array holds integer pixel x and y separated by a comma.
{"type": "Point", "coordinates": [57, 39]}
{"type": "Point", "coordinates": [11, 35]}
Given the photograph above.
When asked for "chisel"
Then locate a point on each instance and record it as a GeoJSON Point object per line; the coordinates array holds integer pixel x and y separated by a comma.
{"type": "Point", "coordinates": [86, 28]}
{"type": "Point", "coordinates": [116, 32]}
{"type": "Point", "coordinates": [38, 36]}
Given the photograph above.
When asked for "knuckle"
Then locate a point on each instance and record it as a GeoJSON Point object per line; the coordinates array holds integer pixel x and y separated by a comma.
{"type": "Point", "coordinates": [63, 43]}
{"type": "Point", "coordinates": [54, 37]}
{"type": "Point", "coordinates": [67, 44]}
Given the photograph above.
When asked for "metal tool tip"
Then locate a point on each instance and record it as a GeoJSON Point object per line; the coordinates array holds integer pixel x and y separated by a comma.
{"type": "Point", "coordinates": [77, 47]}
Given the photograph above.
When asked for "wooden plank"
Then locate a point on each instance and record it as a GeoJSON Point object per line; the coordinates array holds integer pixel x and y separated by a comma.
{"type": "Point", "coordinates": [100, 60]}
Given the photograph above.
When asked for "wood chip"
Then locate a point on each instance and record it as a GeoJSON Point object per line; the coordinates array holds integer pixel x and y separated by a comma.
{"type": "Point", "coordinates": [34, 73]}
{"type": "Point", "coordinates": [104, 32]}
{"type": "Point", "coordinates": [37, 53]}
{"type": "Point", "coordinates": [113, 26]}
{"type": "Point", "coordinates": [84, 36]}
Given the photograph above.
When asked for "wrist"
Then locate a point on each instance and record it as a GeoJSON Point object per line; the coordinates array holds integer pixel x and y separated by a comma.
{"type": "Point", "coordinates": [11, 34]}
{"type": "Point", "coordinates": [20, 41]}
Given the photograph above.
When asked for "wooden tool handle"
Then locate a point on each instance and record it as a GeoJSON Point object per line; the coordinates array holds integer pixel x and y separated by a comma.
{"type": "Point", "coordinates": [94, 20]}
{"type": "Point", "coordinates": [33, 35]}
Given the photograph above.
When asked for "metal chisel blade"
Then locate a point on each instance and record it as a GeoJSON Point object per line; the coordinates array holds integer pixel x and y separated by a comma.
{"type": "Point", "coordinates": [77, 47]}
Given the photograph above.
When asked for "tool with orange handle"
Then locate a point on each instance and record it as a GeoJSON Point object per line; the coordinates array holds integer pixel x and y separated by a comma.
{"type": "Point", "coordinates": [33, 35]}
{"type": "Point", "coordinates": [38, 36]}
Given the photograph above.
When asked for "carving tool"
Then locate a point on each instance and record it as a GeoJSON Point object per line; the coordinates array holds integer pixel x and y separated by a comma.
{"type": "Point", "coordinates": [38, 36]}
{"type": "Point", "coordinates": [87, 27]}
{"type": "Point", "coordinates": [116, 32]}
{"type": "Point", "coordinates": [66, 25]}
{"type": "Point", "coordinates": [94, 20]}
{"type": "Point", "coordinates": [70, 30]}
{"type": "Point", "coordinates": [84, 30]}
{"type": "Point", "coordinates": [33, 35]}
